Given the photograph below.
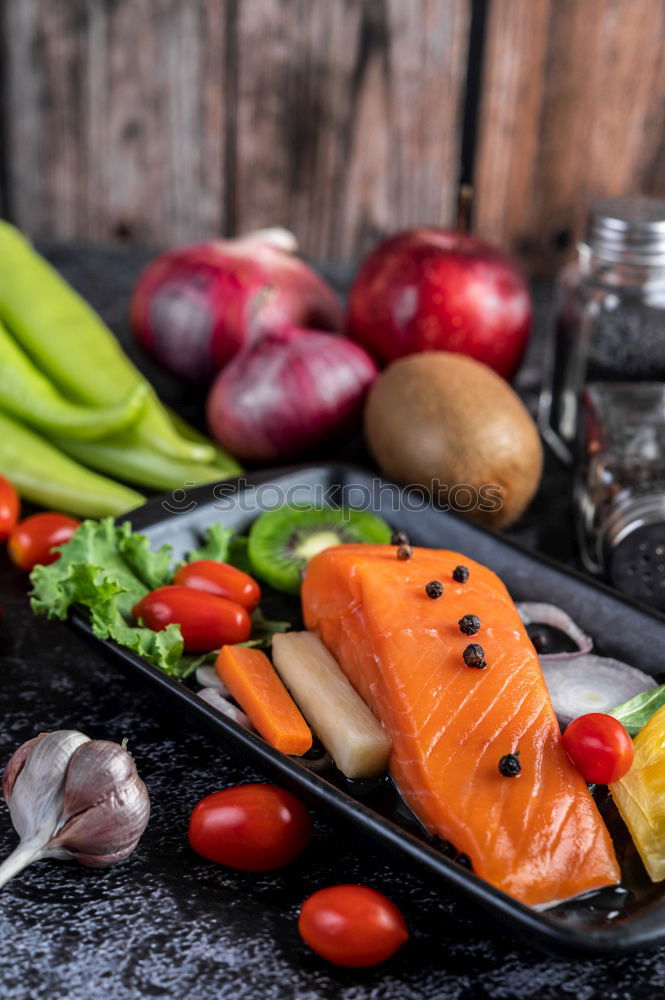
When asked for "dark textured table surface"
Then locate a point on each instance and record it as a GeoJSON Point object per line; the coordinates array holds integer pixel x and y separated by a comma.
{"type": "Point", "coordinates": [167, 924]}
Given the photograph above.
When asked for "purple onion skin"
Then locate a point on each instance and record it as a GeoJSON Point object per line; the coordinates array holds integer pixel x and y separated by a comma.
{"type": "Point", "coordinates": [196, 306]}
{"type": "Point", "coordinates": [290, 393]}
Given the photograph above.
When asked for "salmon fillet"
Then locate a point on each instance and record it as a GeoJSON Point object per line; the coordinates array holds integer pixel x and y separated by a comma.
{"type": "Point", "coordinates": [538, 836]}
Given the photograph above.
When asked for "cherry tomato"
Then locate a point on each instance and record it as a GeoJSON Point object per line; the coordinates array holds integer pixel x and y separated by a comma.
{"type": "Point", "coordinates": [32, 541]}
{"type": "Point", "coordinates": [352, 925]}
{"type": "Point", "coordinates": [599, 747]}
{"type": "Point", "coordinates": [222, 580]}
{"type": "Point", "coordinates": [255, 828]}
{"type": "Point", "coordinates": [10, 506]}
{"type": "Point", "coordinates": [206, 622]}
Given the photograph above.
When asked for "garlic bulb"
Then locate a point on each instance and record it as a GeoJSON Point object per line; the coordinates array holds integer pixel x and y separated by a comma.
{"type": "Point", "coordinates": [73, 797]}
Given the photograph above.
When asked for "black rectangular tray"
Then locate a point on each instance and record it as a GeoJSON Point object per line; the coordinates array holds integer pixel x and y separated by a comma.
{"type": "Point", "coordinates": [607, 922]}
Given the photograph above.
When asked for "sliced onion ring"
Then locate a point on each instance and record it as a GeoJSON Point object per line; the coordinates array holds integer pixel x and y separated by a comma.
{"type": "Point", "coordinates": [215, 699]}
{"type": "Point", "coordinates": [532, 612]}
{"type": "Point", "coordinates": [590, 683]}
{"type": "Point", "coordinates": [208, 677]}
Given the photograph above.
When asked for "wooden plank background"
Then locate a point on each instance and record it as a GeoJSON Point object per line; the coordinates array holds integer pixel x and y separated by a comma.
{"type": "Point", "coordinates": [573, 108]}
{"type": "Point", "coordinates": [161, 121]}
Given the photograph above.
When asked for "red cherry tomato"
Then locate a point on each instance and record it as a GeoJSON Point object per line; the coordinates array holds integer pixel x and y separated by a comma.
{"type": "Point", "coordinates": [351, 925]}
{"type": "Point", "coordinates": [222, 580]}
{"type": "Point", "coordinates": [10, 506]}
{"type": "Point", "coordinates": [32, 541]}
{"type": "Point", "coordinates": [255, 828]}
{"type": "Point", "coordinates": [599, 747]}
{"type": "Point", "coordinates": [206, 622]}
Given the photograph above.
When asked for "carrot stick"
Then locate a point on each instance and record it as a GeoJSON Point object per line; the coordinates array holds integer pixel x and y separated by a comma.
{"type": "Point", "coordinates": [252, 680]}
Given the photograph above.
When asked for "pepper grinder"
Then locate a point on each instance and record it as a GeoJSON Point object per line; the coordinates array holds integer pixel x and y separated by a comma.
{"type": "Point", "coordinates": [620, 487]}
{"type": "Point", "coordinates": [610, 315]}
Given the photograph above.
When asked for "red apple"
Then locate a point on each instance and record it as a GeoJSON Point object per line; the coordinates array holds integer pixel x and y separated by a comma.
{"type": "Point", "coordinates": [435, 289]}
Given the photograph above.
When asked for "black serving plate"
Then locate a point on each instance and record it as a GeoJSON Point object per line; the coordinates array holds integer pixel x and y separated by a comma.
{"type": "Point", "coordinates": [623, 919]}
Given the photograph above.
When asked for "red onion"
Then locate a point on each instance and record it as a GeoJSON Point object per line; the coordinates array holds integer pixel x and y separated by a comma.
{"type": "Point", "coordinates": [196, 306]}
{"type": "Point", "coordinates": [289, 393]}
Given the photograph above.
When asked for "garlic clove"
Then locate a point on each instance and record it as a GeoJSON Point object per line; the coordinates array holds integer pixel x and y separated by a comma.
{"type": "Point", "coordinates": [35, 804]}
{"type": "Point", "coordinates": [73, 797]}
{"type": "Point", "coordinates": [105, 860]}
{"type": "Point", "coordinates": [106, 806]}
{"type": "Point", "coordinates": [15, 765]}
{"type": "Point", "coordinates": [95, 770]}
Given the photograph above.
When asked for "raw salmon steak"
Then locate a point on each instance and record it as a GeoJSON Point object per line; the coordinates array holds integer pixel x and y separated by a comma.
{"type": "Point", "coordinates": [537, 836]}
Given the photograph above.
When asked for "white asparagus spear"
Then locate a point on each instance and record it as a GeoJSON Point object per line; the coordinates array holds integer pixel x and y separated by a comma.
{"type": "Point", "coordinates": [340, 718]}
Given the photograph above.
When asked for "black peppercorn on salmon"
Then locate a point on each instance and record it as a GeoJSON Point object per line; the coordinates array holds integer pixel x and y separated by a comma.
{"type": "Point", "coordinates": [535, 833]}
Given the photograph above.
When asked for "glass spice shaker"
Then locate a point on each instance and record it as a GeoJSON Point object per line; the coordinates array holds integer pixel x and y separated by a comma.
{"type": "Point", "coordinates": [610, 317]}
{"type": "Point", "coordinates": [620, 487]}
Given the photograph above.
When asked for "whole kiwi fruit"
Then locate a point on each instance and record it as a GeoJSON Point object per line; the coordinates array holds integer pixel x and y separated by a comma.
{"type": "Point", "coordinates": [449, 424]}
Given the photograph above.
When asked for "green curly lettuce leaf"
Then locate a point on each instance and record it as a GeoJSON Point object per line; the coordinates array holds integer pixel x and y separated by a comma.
{"type": "Point", "coordinates": [152, 567]}
{"type": "Point", "coordinates": [215, 546]}
{"type": "Point", "coordinates": [238, 554]}
{"type": "Point", "coordinates": [108, 568]}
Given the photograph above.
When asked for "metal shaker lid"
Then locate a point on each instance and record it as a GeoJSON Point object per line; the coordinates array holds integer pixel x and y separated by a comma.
{"type": "Point", "coordinates": [628, 230]}
{"type": "Point", "coordinates": [634, 542]}
{"type": "Point", "coordinates": [637, 565]}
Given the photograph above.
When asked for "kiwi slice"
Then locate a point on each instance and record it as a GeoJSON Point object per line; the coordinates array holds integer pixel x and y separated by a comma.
{"type": "Point", "coordinates": [281, 542]}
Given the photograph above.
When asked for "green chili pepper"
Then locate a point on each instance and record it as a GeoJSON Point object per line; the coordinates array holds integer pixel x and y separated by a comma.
{"type": "Point", "coordinates": [222, 458]}
{"type": "Point", "coordinates": [26, 394]}
{"type": "Point", "coordinates": [127, 458]}
{"type": "Point", "coordinates": [44, 475]}
{"type": "Point", "coordinates": [73, 347]}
